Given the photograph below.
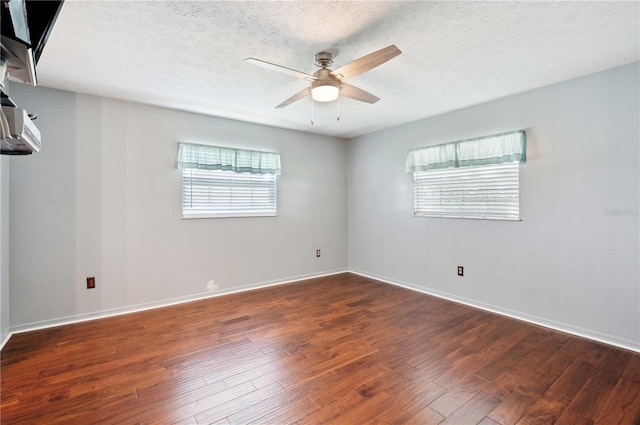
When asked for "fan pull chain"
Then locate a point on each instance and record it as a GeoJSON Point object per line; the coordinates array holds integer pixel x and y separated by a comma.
{"type": "Point", "coordinates": [312, 111]}
{"type": "Point", "coordinates": [338, 105]}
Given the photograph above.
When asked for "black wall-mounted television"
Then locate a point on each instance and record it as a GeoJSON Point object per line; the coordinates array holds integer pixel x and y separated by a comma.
{"type": "Point", "coordinates": [25, 26]}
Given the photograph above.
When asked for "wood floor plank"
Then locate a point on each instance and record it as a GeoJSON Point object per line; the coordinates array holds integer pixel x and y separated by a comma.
{"type": "Point", "coordinates": [452, 400]}
{"type": "Point", "coordinates": [590, 351]}
{"type": "Point", "coordinates": [326, 366]}
{"type": "Point", "coordinates": [426, 416]}
{"type": "Point", "coordinates": [632, 371]}
{"type": "Point", "coordinates": [365, 411]}
{"type": "Point", "coordinates": [337, 349]}
{"type": "Point", "coordinates": [363, 377]}
{"type": "Point", "coordinates": [287, 413]}
{"type": "Point", "coordinates": [168, 388]}
{"type": "Point", "coordinates": [543, 411]}
{"type": "Point", "coordinates": [192, 421]}
{"type": "Point", "coordinates": [571, 381]}
{"type": "Point", "coordinates": [611, 366]}
{"type": "Point", "coordinates": [488, 421]}
{"type": "Point", "coordinates": [259, 371]}
{"type": "Point", "coordinates": [333, 410]}
{"type": "Point", "coordinates": [473, 411]}
{"type": "Point", "coordinates": [539, 381]}
{"type": "Point", "coordinates": [508, 381]}
{"type": "Point", "coordinates": [454, 378]}
{"type": "Point", "coordinates": [569, 418]}
{"type": "Point", "coordinates": [246, 401]}
{"type": "Point", "coordinates": [218, 371]}
{"type": "Point", "coordinates": [406, 406]}
{"type": "Point", "coordinates": [590, 399]}
{"type": "Point", "coordinates": [509, 358]}
{"type": "Point", "coordinates": [177, 409]}
{"type": "Point", "coordinates": [622, 406]}
{"type": "Point", "coordinates": [512, 408]}
{"type": "Point", "coordinates": [265, 406]}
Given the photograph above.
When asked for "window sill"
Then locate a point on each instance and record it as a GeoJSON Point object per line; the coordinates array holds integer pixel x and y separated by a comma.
{"type": "Point", "coordinates": [227, 215]}
{"type": "Point", "coordinates": [466, 218]}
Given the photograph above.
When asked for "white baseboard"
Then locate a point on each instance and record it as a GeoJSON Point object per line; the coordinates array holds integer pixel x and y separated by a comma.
{"type": "Point", "coordinates": [44, 324]}
{"type": "Point", "coordinates": [5, 340]}
{"type": "Point", "coordinates": [539, 321]}
{"type": "Point", "coordinates": [562, 327]}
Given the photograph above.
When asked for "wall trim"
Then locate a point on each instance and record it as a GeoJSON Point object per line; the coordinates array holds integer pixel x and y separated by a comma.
{"type": "Point", "coordinates": [535, 320]}
{"type": "Point", "coordinates": [5, 340]}
{"type": "Point", "coordinates": [85, 317]}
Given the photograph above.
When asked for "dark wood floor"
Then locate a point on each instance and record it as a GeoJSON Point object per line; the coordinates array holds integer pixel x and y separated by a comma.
{"type": "Point", "coordinates": [343, 349]}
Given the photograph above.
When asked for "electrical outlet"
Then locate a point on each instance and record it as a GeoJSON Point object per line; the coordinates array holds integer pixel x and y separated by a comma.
{"type": "Point", "coordinates": [460, 271]}
{"type": "Point", "coordinates": [91, 282]}
{"type": "Point", "coordinates": [317, 252]}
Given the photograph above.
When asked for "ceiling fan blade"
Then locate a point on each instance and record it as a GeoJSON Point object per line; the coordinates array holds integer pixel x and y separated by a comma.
{"type": "Point", "coordinates": [295, 98]}
{"type": "Point", "coordinates": [282, 69]}
{"type": "Point", "coordinates": [366, 63]}
{"type": "Point", "coordinates": [353, 92]}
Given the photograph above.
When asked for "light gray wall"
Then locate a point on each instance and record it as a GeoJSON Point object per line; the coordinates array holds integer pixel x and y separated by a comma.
{"type": "Point", "coordinates": [5, 318]}
{"type": "Point", "coordinates": [103, 199]}
{"type": "Point", "coordinates": [572, 262]}
{"type": "Point", "coordinates": [4, 248]}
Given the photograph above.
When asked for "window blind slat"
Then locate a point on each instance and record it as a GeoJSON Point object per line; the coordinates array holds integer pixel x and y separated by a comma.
{"type": "Point", "coordinates": [484, 192]}
{"type": "Point", "coordinates": [216, 193]}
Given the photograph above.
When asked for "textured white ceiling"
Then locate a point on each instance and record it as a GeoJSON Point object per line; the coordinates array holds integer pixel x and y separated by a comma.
{"type": "Point", "coordinates": [189, 55]}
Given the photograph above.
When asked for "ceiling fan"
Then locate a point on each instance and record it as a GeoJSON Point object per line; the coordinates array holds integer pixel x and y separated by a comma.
{"type": "Point", "coordinates": [327, 84]}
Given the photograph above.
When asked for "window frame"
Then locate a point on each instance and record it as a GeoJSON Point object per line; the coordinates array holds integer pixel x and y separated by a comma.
{"type": "Point", "coordinates": [221, 171]}
{"type": "Point", "coordinates": [464, 158]}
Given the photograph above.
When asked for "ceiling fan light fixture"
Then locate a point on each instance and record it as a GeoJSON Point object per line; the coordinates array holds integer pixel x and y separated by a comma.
{"type": "Point", "coordinates": [325, 90]}
{"type": "Point", "coordinates": [326, 85]}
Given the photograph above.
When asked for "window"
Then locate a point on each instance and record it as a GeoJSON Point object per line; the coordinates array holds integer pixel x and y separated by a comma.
{"type": "Point", "coordinates": [489, 191]}
{"type": "Point", "coordinates": [227, 182]}
{"type": "Point", "coordinates": [475, 178]}
{"type": "Point", "coordinates": [215, 193]}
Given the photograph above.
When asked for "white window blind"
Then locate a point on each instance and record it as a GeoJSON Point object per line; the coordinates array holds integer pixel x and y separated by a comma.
{"type": "Point", "coordinates": [482, 192]}
{"type": "Point", "coordinates": [227, 182]}
{"type": "Point", "coordinates": [216, 193]}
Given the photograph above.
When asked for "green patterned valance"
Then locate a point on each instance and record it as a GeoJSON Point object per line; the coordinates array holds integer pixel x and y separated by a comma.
{"type": "Point", "coordinates": [206, 157]}
{"type": "Point", "coordinates": [495, 149]}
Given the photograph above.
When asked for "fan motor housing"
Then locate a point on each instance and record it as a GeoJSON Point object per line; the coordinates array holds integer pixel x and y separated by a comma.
{"type": "Point", "coordinates": [324, 59]}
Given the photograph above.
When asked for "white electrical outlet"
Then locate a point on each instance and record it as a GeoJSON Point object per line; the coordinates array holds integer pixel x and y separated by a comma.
{"type": "Point", "coordinates": [211, 285]}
